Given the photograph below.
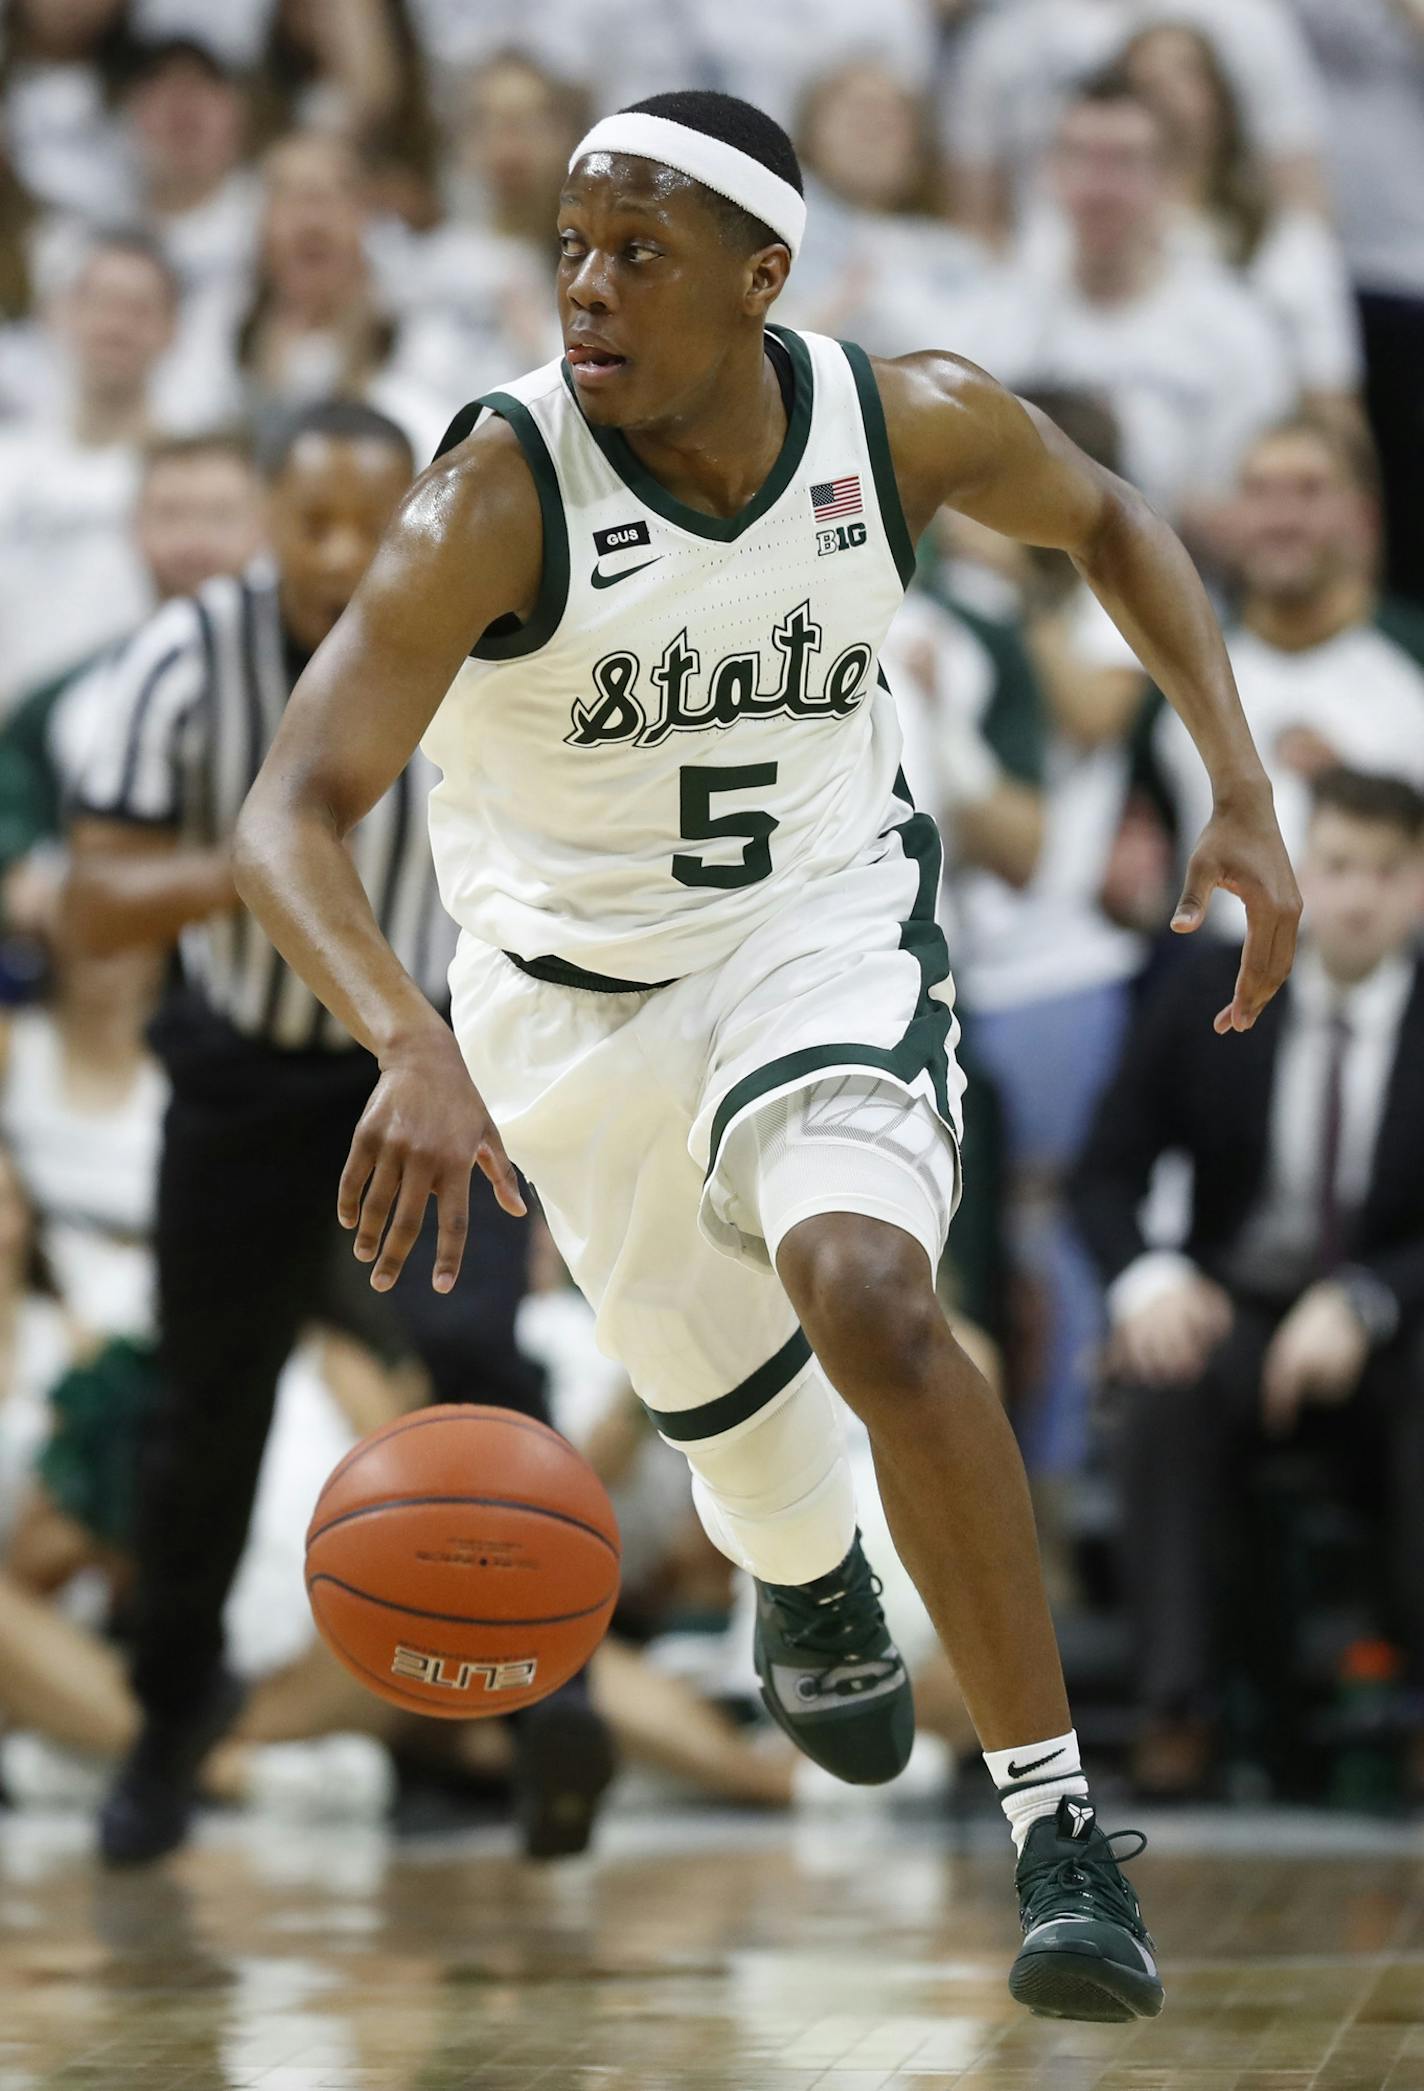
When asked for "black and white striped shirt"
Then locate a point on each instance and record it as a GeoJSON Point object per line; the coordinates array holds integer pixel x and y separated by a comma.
{"type": "Point", "coordinates": [192, 705]}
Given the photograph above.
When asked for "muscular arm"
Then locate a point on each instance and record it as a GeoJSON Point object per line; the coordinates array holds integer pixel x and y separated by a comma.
{"type": "Point", "coordinates": [959, 440]}
{"type": "Point", "coordinates": [464, 549]}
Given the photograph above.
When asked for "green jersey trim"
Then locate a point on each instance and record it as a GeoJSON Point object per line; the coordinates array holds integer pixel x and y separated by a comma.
{"type": "Point", "coordinates": [882, 464]}
{"type": "Point", "coordinates": [924, 1046]}
{"type": "Point", "coordinates": [720, 529]}
{"type": "Point", "coordinates": [561, 972]}
{"type": "Point", "coordinates": [757, 1391]}
{"type": "Point", "coordinates": [507, 639]}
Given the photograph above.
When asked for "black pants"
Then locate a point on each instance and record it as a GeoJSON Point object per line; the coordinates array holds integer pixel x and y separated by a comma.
{"type": "Point", "coordinates": [248, 1253]}
{"type": "Point", "coordinates": [1394, 392]}
{"type": "Point", "coordinates": [1186, 1457]}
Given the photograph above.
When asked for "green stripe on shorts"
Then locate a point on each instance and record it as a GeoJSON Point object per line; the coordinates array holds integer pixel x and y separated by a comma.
{"type": "Point", "coordinates": [710, 1418]}
{"type": "Point", "coordinates": [923, 1045]}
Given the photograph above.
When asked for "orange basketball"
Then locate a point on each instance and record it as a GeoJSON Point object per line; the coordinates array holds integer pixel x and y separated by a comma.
{"type": "Point", "coordinates": [463, 1561]}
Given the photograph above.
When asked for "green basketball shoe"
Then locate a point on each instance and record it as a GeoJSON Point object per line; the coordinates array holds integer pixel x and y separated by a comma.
{"type": "Point", "coordinates": [832, 1677]}
{"type": "Point", "coordinates": [1086, 1952]}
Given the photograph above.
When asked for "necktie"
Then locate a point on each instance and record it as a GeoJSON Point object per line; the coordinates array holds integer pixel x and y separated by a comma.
{"type": "Point", "coordinates": [1330, 1216]}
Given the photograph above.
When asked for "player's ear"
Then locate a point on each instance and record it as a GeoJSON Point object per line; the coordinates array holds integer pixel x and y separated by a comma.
{"type": "Point", "coordinates": [766, 274]}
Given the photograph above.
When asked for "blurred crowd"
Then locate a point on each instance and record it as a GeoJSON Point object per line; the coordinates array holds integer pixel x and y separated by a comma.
{"type": "Point", "coordinates": [1192, 231]}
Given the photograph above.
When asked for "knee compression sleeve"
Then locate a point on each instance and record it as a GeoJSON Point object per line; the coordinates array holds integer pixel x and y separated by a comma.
{"type": "Point", "coordinates": [775, 1494]}
{"type": "Point", "coordinates": [851, 1143]}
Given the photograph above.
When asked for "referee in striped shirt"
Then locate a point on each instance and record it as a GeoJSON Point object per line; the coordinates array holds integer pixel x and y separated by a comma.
{"type": "Point", "coordinates": [267, 1089]}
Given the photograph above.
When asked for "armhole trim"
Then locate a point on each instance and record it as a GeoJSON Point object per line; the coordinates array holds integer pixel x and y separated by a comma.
{"type": "Point", "coordinates": [510, 644]}
{"type": "Point", "coordinates": [877, 439]}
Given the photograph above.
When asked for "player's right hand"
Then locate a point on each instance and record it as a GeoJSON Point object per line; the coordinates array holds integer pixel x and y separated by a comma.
{"type": "Point", "coordinates": [424, 1130]}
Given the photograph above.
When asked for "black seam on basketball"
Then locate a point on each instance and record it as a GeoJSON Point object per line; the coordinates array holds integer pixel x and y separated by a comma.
{"type": "Point", "coordinates": [485, 1502]}
{"type": "Point", "coordinates": [449, 1412]}
{"type": "Point", "coordinates": [388, 1604]}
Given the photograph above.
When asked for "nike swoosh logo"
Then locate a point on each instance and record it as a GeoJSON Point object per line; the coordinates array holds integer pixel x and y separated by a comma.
{"type": "Point", "coordinates": [611, 580]}
{"type": "Point", "coordinates": [1021, 1771]}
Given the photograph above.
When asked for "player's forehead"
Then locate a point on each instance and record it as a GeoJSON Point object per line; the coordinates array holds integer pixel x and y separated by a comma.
{"type": "Point", "coordinates": [629, 186]}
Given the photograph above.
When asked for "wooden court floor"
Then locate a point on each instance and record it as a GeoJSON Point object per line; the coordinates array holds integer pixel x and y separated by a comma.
{"type": "Point", "coordinates": [717, 1953]}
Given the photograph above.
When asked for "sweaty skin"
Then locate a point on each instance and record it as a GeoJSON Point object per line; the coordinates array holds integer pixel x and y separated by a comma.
{"type": "Point", "coordinates": [663, 319]}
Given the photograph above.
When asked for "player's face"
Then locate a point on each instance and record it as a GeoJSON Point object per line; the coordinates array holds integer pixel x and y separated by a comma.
{"type": "Point", "coordinates": [327, 511]}
{"type": "Point", "coordinates": [651, 295]}
{"type": "Point", "coordinates": [1301, 523]}
{"type": "Point", "coordinates": [1363, 886]}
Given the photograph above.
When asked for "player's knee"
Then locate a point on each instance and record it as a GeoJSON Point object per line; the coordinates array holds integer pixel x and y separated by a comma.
{"type": "Point", "coordinates": [866, 1300]}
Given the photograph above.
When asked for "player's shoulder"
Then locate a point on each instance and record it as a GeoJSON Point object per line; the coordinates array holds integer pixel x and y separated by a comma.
{"type": "Point", "coordinates": [934, 377]}
{"type": "Point", "coordinates": [481, 476]}
{"type": "Point", "coordinates": [946, 419]}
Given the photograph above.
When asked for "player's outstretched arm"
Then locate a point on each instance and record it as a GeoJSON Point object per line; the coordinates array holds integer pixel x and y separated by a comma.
{"type": "Point", "coordinates": [463, 550]}
{"type": "Point", "coordinates": [960, 440]}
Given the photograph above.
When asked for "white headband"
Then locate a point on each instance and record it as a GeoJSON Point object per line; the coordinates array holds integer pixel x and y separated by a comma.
{"type": "Point", "coordinates": [711, 161]}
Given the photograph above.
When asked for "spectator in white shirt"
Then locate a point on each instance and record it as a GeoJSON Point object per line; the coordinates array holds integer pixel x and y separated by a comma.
{"type": "Point", "coordinates": [1185, 356]}
{"type": "Point", "coordinates": [879, 265]}
{"type": "Point", "coordinates": [70, 575]}
{"type": "Point", "coordinates": [1289, 256]}
{"type": "Point", "coordinates": [188, 119]}
{"type": "Point", "coordinates": [1328, 672]}
{"type": "Point", "coordinates": [61, 64]}
{"type": "Point", "coordinates": [1019, 64]}
{"type": "Point", "coordinates": [486, 269]}
{"type": "Point", "coordinates": [317, 322]}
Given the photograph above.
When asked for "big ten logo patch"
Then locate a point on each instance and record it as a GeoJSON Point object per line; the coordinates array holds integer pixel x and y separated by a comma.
{"type": "Point", "coordinates": [843, 538]}
{"type": "Point", "coordinates": [455, 1673]}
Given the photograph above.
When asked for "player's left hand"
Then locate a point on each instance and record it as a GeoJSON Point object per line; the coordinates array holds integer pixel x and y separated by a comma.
{"type": "Point", "coordinates": [1241, 851]}
{"type": "Point", "coordinates": [1317, 1354]}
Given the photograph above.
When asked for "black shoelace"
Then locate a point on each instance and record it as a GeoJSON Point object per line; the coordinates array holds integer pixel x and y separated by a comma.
{"type": "Point", "coordinates": [1085, 1884]}
{"type": "Point", "coordinates": [842, 1619]}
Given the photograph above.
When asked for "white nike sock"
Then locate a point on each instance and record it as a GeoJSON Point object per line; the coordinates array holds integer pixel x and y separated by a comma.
{"type": "Point", "coordinates": [1033, 1779]}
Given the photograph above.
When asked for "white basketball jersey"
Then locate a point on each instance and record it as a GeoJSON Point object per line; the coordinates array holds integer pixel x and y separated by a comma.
{"type": "Point", "coordinates": [690, 727]}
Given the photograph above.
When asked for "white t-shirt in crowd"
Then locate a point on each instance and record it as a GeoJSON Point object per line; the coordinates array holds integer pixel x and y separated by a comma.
{"type": "Point", "coordinates": [1361, 692]}
{"type": "Point", "coordinates": [92, 1174]}
{"type": "Point", "coordinates": [267, 1618]}
{"type": "Point", "coordinates": [1372, 63]}
{"type": "Point", "coordinates": [67, 148]}
{"type": "Point", "coordinates": [626, 49]}
{"type": "Point", "coordinates": [1018, 64]}
{"type": "Point", "coordinates": [215, 243]}
{"type": "Point", "coordinates": [1299, 280]}
{"type": "Point", "coordinates": [892, 283]}
{"type": "Point", "coordinates": [1016, 945]}
{"type": "Point", "coordinates": [486, 298]}
{"type": "Point", "coordinates": [71, 579]}
{"type": "Point", "coordinates": [1193, 369]}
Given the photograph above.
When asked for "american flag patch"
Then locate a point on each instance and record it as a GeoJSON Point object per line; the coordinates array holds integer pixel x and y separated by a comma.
{"type": "Point", "coordinates": [831, 498]}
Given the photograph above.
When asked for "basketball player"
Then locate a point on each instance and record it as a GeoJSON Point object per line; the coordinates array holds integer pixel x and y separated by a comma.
{"type": "Point", "coordinates": [700, 997]}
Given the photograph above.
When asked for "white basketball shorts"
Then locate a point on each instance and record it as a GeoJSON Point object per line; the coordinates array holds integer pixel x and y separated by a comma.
{"type": "Point", "coordinates": [644, 1120]}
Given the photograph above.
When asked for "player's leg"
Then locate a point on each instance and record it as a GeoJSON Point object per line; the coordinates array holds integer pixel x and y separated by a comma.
{"type": "Point", "coordinates": [244, 1228]}
{"type": "Point", "coordinates": [956, 1500]}
{"type": "Point", "coordinates": [949, 1471]}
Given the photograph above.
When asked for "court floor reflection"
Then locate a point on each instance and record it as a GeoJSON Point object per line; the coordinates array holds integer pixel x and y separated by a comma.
{"type": "Point", "coordinates": [714, 1952]}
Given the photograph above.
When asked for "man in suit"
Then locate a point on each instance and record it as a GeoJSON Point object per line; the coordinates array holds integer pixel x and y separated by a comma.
{"type": "Point", "coordinates": [1300, 1287]}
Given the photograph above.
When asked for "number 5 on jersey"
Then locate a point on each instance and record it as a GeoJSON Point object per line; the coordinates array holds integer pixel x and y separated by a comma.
{"type": "Point", "coordinates": [698, 781]}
